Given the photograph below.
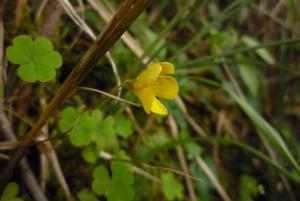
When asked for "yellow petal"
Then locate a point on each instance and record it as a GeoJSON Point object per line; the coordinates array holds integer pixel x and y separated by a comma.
{"type": "Point", "coordinates": [167, 68]}
{"type": "Point", "coordinates": [147, 97]}
{"type": "Point", "coordinates": [149, 75]}
{"type": "Point", "coordinates": [158, 107]}
{"type": "Point", "coordinates": [165, 87]}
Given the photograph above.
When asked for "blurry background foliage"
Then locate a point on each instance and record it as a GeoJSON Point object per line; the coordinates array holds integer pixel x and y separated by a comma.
{"type": "Point", "coordinates": [232, 135]}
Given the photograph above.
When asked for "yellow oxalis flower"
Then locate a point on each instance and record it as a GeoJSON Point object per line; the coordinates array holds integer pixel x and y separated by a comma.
{"type": "Point", "coordinates": [154, 81]}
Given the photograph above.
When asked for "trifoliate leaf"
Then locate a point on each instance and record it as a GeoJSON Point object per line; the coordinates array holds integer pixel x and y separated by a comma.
{"type": "Point", "coordinates": [81, 135]}
{"type": "Point", "coordinates": [171, 188]}
{"type": "Point", "coordinates": [124, 126]}
{"type": "Point", "coordinates": [68, 118]}
{"type": "Point", "coordinates": [102, 181]}
{"type": "Point", "coordinates": [90, 154]}
{"type": "Point", "coordinates": [82, 126]}
{"type": "Point", "coordinates": [143, 153]}
{"type": "Point", "coordinates": [120, 187]}
{"type": "Point", "coordinates": [97, 115]}
{"type": "Point", "coordinates": [10, 192]}
{"type": "Point", "coordinates": [86, 195]}
{"type": "Point", "coordinates": [105, 134]}
{"type": "Point", "coordinates": [122, 173]}
{"type": "Point", "coordinates": [120, 193]}
{"type": "Point", "coordinates": [37, 59]}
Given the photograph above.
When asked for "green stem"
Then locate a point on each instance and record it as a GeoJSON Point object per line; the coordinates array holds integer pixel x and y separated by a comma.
{"type": "Point", "coordinates": [237, 51]}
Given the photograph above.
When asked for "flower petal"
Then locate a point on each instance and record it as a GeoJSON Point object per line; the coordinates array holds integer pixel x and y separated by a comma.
{"type": "Point", "coordinates": [158, 107]}
{"type": "Point", "coordinates": [165, 87]}
{"type": "Point", "coordinates": [167, 68]}
{"type": "Point", "coordinates": [147, 97]}
{"type": "Point", "coordinates": [148, 76]}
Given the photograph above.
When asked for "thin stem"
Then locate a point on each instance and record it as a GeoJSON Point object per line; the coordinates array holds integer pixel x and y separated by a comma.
{"type": "Point", "coordinates": [110, 96]}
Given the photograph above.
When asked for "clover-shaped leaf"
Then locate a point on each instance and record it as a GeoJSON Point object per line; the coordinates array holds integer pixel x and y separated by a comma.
{"type": "Point", "coordinates": [171, 188]}
{"type": "Point", "coordinates": [105, 134]}
{"type": "Point", "coordinates": [81, 135]}
{"type": "Point", "coordinates": [37, 59]}
{"type": "Point", "coordinates": [68, 118]}
{"type": "Point", "coordinates": [86, 195]}
{"type": "Point", "coordinates": [102, 181]}
{"type": "Point", "coordinates": [117, 188]}
{"type": "Point", "coordinates": [123, 126]}
{"type": "Point", "coordinates": [83, 125]}
{"type": "Point", "coordinates": [90, 154]}
{"type": "Point", "coordinates": [11, 192]}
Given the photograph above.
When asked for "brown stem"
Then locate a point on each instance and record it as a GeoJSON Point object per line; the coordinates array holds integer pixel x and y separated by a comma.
{"type": "Point", "coordinates": [127, 13]}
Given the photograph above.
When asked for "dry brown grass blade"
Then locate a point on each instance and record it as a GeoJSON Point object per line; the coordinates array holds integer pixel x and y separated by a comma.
{"type": "Point", "coordinates": [127, 13]}
{"type": "Point", "coordinates": [182, 159]}
{"type": "Point", "coordinates": [213, 179]}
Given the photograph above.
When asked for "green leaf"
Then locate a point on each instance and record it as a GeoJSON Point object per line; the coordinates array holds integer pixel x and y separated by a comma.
{"type": "Point", "coordinates": [250, 76]}
{"type": "Point", "coordinates": [20, 52]}
{"type": "Point", "coordinates": [86, 195]}
{"type": "Point", "coordinates": [263, 53]}
{"type": "Point", "coordinates": [81, 135]}
{"type": "Point", "coordinates": [105, 134]}
{"type": "Point", "coordinates": [97, 115]}
{"type": "Point", "coordinates": [124, 126]}
{"type": "Point", "coordinates": [156, 140]}
{"type": "Point", "coordinates": [122, 173]}
{"type": "Point", "coordinates": [265, 129]}
{"type": "Point", "coordinates": [37, 59]}
{"type": "Point", "coordinates": [204, 192]}
{"type": "Point", "coordinates": [193, 149]}
{"type": "Point", "coordinates": [171, 188]}
{"type": "Point", "coordinates": [120, 187]}
{"type": "Point", "coordinates": [17, 199]}
{"type": "Point", "coordinates": [249, 188]}
{"type": "Point", "coordinates": [143, 153]}
{"type": "Point", "coordinates": [10, 192]}
{"type": "Point", "coordinates": [68, 118]}
{"type": "Point", "coordinates": [90, 155]}
{"type": "Point", "coordinates": [82, 126]}
{"type": "Point", "coordinates": [102, 181]}
{"type": "Point", "coordinates": [120, 193]}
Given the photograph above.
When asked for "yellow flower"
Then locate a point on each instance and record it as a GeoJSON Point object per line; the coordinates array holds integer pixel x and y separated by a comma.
{"type": "Point", "coordinates": [152, 82]}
